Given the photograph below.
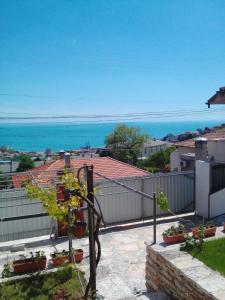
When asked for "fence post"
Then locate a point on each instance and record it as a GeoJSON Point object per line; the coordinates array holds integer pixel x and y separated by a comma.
{"type": "Point", "coordinates": [154, 218]}
{"type": "Point", "coordinates": [142, 199]}
{"type": "Point", "coordinates": [92, 252]}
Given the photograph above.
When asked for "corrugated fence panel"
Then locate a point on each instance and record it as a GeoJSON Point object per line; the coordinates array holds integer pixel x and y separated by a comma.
{"type": "Point", "coordinates": [119, 204]}
{"type": "Point", "coordinates": [14, 203]}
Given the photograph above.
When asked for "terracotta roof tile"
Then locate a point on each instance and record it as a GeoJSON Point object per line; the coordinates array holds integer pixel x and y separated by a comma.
{"type": "Point", "coordinates": [216, 133]}
{"type": "Point", "coordinates": [106, 166]}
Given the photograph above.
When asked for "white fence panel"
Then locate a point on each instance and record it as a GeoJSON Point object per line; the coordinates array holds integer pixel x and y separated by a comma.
{"type": "Point", "coordinates": [118, 204]}
{"type": "Point", "coordinates": [14, 203]}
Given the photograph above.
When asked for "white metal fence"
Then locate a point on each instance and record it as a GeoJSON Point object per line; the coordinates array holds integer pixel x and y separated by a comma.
{"type": "Point", "coordinates": [120, 205]}
{"type": "Point", "coordinates": [117, 203]}
{"type": "Point", "coordinates": [14, 203]}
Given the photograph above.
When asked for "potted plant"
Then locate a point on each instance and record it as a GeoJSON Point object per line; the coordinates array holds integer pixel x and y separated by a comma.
{"type": "Point", "coordinates": [79, 229]}
{"type": "Point", "coordinates": [209, 229]}
{"type": "Point", "coordinates": [78, 255]}
{"type": "Point", "coordinates": [174, 234]}
{"type": "Point", "coordinates": [58, 208]}
{"type": "Point", "coordinates": [29, 264]}
{"type": "Point", "coordinates": [59, 258]}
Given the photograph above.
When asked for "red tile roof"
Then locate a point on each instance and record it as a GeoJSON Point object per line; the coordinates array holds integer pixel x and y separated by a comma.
{"type": "Point", "coordinates": [105, 166]}
{"type": "Point", "coordinates": [216, 133]}
{"type": "Point", "coordinates": [19, 178]}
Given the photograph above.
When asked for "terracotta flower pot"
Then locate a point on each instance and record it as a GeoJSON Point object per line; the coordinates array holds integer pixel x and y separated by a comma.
{"type": "Point", "coordinates": [78, 255]}
{"type": "Point", "coordinates": [62, 229]}
{"type": "Point", "coordinates": [27, 266]}
{"type": "Point", "coordinates": [60, 260]}
{"type": "Point", "coordinates": [79, 229]}
{"type": "Point", "coordinates": [207, 232]}
{"type": "Point", "coordinates": [172, 239]}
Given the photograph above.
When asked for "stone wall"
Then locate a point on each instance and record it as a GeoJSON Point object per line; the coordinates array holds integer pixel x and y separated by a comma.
{"type": "Point", "coordinates": [182, 276]}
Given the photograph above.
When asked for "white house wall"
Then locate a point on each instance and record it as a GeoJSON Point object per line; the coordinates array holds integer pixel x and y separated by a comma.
{"type": "Point", "coordinates": [217, 203]}
{"type": "Point", "coordinates": [202, 182]}
{"type": "Point", "coordinates": [216, 148]}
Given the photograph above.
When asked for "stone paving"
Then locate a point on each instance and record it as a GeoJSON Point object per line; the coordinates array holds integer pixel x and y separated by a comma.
{"type": "Point", "coordinates": [121, 272]}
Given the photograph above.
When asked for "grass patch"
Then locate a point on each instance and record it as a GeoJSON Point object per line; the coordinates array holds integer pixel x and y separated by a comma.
{"type": "Point", "coordinates": [213, 254]}
{"type": "Point", "coordinates": [43, 286]}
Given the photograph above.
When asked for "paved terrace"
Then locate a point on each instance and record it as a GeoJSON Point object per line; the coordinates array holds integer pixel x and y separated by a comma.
{"type": "Point", "coordinates": [121, 272]}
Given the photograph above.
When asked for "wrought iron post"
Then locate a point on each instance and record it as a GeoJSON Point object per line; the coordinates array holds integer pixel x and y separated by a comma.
{"type": "Point", "coordinates": [91, 229]}
{"type": "Point", "coordinates": [154, 217]}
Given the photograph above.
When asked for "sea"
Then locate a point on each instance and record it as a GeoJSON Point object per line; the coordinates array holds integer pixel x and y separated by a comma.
{"type": "Point", "coordinates": [68, 136]}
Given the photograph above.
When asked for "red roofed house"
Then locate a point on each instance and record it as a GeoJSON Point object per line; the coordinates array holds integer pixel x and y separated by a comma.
{"type": "Point", "coordinates": [105, 166]}
{"type": "Point", "coordinates": [117, 203]}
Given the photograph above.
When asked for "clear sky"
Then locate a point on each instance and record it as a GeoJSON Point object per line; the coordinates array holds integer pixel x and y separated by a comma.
{"type": "Point", "coordinates": [110, 56]}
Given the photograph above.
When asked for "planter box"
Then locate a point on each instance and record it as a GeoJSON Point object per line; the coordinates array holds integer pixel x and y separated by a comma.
{"type": "Point", "coordinates": [28, 266]}
{"type": "Point", "coordinates": [172, 239]}
{"type": "Point", "coordinates": [79, 229]}
{"type": "Point", "coordinates": [207, 232]}
{"type": "Point", "coordinates": [61, 259]}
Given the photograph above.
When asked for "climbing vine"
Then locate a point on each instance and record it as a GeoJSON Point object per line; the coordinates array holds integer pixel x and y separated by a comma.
{"type": "Point", "coordinates": [47, 195]}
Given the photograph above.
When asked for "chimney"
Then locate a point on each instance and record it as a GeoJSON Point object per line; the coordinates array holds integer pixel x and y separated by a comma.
{"type": "Point", "coordinates": [67, 160]}
{"type": "Point", "coordinates": [61, 154]}
{"type": "Point", "coordinates": [201, 149]}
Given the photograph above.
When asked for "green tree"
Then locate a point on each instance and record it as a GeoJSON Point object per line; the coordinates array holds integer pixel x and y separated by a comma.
{"type": "Point", "coordinates": [124, 143]}
{"type": "Point", "coordinates": [158, 161]}
{"type": "Point", "coordinates": [25, 163]}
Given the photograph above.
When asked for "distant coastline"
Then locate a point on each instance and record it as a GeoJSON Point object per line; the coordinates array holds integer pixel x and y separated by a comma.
{"type": "Point", "coordinates": [57, 136]}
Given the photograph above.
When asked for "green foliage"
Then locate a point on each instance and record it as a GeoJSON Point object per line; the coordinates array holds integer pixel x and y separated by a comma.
{"type": "Point", "coordinates": [58, 210]}
{"type": "Point", "coordinates": [6, 272]}
{"type": "Point", "coordinates": [125, 143]}
{"type": "Point", "coordinates": [173, 230]}
{"type": "Point", "coordinates": [192, 245]}
{"type": "Point", "coordinates": [25, 163]}
{"type": "Point", "coordinates": [158, 161]}
{"type": "Point", "coordinates": [213, 254]}
{"type": "Point", "coordinates": [162, 201]}
{"type": "Point", "coordinates": [44, 286]}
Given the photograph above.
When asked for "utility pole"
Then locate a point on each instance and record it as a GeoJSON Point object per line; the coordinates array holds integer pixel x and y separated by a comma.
{"type": "Point", "coordinates": [91, 229]}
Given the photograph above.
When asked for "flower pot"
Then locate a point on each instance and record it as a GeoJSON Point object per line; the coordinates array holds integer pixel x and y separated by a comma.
{"type": "Point", "coordinates": [60, 260]}
{"type": "Point", "coordinates": [78, 255]}
{"type": "Point", "coordinates": [79, 229]}
{"type": "Point", "coordinates": [62, 229]}
{"type": "Point", "coordinates": [206, 231]}
{"type": "Point", "coordinates": [172, 239]}
{"type": "Point", "coordinates": [28, 265]}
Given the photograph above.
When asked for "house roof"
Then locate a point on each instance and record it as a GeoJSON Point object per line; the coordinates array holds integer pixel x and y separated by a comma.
{"type": "Point", "coordinates": [105, 166]}
{"type": "Point", "coordinates": [218, 97]}
{"type": "Point", "coordinates": [154, 143]}
{"type": "Point", "coordinates": [216, 133]}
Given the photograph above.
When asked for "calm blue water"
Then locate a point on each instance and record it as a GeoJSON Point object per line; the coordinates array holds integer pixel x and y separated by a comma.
{"type": "Point", "coordinates": [38, 137]}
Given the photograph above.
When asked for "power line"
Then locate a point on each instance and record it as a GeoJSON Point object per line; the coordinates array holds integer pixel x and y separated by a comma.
{"type": "Point", "coordinates": [118, 117]}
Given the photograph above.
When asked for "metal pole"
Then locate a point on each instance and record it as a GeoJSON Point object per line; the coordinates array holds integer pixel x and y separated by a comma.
{"type": "Point", "coordinates": [92, 252]}
{"type": "Point", "coordinates": [154, 218]}
{"type": "Point", "coordinates": [70, 234]}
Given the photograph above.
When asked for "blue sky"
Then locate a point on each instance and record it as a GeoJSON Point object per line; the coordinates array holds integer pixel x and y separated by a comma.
{"type": "Point", "coordinates": [111, 56]}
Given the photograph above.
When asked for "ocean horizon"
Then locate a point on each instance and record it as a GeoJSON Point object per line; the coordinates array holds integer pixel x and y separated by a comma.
{"type": "Point", "coordinates": [56, 136]}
